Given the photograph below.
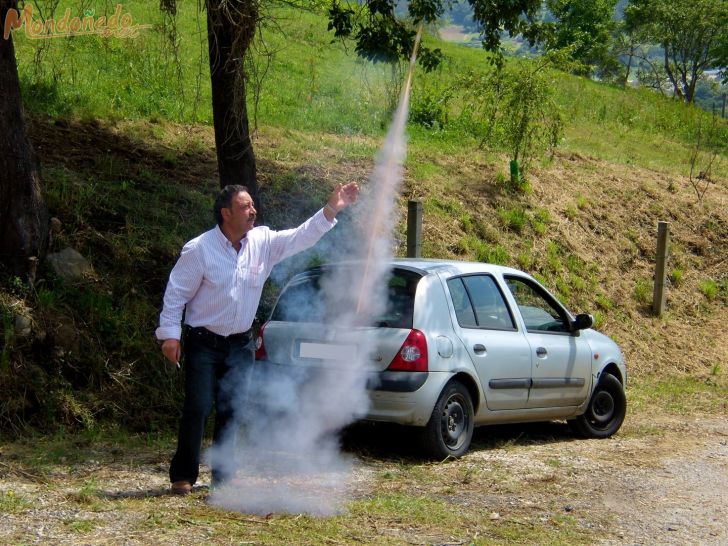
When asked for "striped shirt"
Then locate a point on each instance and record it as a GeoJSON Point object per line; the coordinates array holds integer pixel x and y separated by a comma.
{"type": "Point", "coordinates": [220, 287]}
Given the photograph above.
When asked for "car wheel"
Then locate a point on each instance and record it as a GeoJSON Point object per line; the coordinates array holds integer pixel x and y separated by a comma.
{"type": "Point", "coordinates": [450, 429]}
{"type": "Point", "coordinates": [606, 410]}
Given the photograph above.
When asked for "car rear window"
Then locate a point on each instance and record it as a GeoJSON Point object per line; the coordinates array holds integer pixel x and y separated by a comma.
{"type": "Point", "coordinates": [302, 301]}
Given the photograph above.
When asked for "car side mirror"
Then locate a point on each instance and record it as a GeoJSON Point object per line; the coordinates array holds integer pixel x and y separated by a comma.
{"type": "Point", "coordinates": [582, 322]}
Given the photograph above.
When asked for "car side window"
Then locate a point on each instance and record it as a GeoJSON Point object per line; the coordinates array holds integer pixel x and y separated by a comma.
{"type": "Point", "coordinates": [400, 301]}
{"type": "Point", "coordinates": [537, 311]}
{"type": "Point", "coordinates": [479, 303]}
{"type": "Point", "coordinates": [461, 302]}
{"type": "Point", "coordinates": [491, 310]}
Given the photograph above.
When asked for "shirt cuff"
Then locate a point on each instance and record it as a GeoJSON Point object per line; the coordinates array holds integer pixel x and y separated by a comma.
{"type": "Point", "coordinates": [322, 223]}
{"type": "Point", "coordinates": [168, 332]}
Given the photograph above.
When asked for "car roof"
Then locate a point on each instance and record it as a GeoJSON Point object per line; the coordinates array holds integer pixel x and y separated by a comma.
{"type": "Point", "coordinates": [425, 266]}
{"type": "Point", "coordinates": [454, 267]}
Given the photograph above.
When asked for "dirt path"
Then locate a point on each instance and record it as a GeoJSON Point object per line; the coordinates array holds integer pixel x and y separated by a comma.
{"type": "Point", "coordinates": [660, 482]}
{"type": "Point", "coordinates": [680, 496]}
{"type": "Point", "coordinates": [663, 482]}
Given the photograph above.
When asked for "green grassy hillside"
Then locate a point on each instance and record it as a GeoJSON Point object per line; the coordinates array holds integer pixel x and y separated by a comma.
{"type": "Point", "coordinates": [122, 129]}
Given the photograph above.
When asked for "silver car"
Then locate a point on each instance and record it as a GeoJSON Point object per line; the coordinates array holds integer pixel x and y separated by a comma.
{"type": "Point", "coordinates": [461, 344]}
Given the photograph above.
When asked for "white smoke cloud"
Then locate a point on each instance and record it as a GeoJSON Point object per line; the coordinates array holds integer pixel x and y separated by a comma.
{"type": "Point", "coordinates": [285, 454]}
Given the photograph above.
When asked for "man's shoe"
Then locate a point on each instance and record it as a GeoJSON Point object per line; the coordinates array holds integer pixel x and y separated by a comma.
{"type": "Point", "coordinates": [182, 487]}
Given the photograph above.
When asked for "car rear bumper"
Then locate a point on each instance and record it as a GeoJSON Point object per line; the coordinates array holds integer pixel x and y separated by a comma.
{"type": "Point", "coordinates": [393, 381]}
{"type": "Point", "coordinates": [406, 398]}
{"type": "Point", "coordinates": [408, 407]}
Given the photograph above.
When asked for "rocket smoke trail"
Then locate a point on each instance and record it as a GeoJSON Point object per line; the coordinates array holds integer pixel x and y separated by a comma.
{"type": "Point", "coordinates": [387, 174]}
{"type": "Point", "coordinates": [286, 457]}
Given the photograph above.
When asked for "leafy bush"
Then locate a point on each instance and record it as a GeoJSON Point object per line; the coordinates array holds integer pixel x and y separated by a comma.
{"type": "Point", "coordinates": [511, 107]}
{"type": "Point", "coordinates": [429, 107]}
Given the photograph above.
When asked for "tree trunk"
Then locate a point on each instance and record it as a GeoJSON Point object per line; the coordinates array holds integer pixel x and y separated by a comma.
{"type": "Point", "coordinates": [23, 214]}
{"type": "Point", "coordinates": [670, 75]}
{"type": "Point", "coordinates": [230, 30]}
{"type": "Point", "coordinates": [690, 92]}
{"type": "Point", "coordinates": [629, 65]}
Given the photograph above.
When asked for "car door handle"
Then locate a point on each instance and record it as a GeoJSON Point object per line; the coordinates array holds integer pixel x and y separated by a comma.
{"type": "Point", "coordinates": [479, 349]}
{"type": "Point", "coordinates": [541, 352]}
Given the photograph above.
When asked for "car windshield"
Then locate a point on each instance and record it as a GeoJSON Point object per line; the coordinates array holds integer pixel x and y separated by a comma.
{"type": "Point", "coordinates": [302, 301]}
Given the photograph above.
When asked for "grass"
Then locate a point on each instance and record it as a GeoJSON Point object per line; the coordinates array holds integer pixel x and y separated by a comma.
{"type": "Point", "coordinates": [514, 218]}
{"type": "Point", "coordinates": [540, 221]}
{"type": "Point", "coordinates": [81, 526]}
{"type": "Point", "coordinates": [676, 395]}
{"type": "Point", "coordinates": [407, 500]}
{"type": "Point", "coordinates": [652, 130]}
{"type": "Point", "coordinates": [483, 251]}
{"type": "Point", "coordinates": [88, 493]}
{"type": "Point", "coordinates": [311, 84]}
{"type": "Point", "coordinates": [643, 291]}
{"type": "Point", "coordinates": [479, 499]}
{"type": "Point", "coordinates": [676, 276]}
{"type": "Point", "coordinates": [12, 502]}
{"type": "Point", "coordinates": [709, 288]}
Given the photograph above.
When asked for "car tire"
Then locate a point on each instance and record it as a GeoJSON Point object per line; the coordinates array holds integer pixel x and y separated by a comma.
{"type": "Point", "coordinates": [605, 412]}
{"type": "Point", "coordinates": [450, 428]}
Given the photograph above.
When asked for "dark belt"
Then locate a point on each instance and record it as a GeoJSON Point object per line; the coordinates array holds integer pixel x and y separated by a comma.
{"type": "Point", "coordinates": [212, 339]}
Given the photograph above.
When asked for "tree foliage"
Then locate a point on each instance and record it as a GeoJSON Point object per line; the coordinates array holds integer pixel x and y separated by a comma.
{"type": "Point", "coordinates": [460, 14]}
{"type": "Point", "coordinates": [587, 27]}
{"type": "Point", "coordinates": [692, 33]}
{"type": "Point", "coordinates": [380, 36]}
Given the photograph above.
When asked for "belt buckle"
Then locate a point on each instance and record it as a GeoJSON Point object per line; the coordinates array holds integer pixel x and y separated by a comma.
{"type": "Point", "coordinates": [205, 335]}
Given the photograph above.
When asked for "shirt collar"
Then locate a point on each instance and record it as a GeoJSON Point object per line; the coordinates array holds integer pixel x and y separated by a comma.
{"type": "Point", "coordinates": [224, 240]}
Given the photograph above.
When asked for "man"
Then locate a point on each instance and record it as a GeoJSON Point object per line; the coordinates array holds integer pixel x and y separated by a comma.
{"type": "Point", "coordinates": [217, 282]}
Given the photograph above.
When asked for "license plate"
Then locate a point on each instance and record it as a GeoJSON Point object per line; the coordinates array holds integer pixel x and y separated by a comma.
{"type": "Point", "coordinates": [326, 351]}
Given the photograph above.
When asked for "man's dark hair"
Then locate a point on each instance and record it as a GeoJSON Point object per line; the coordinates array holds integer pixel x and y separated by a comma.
{"type": "Point", "coordinates": [225, 198]}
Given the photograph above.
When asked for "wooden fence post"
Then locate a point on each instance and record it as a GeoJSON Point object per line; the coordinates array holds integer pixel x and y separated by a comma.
{"type": "Point", "coordinates": [414, 229]}
{"type": "Point", "coordinates": [663, 243]}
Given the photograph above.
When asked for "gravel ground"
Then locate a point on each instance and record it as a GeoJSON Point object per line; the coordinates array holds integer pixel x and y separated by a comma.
{"type": "Point", "coordinates": [660, 482]}
{"type": "Point", "coordinates": [679, 499]}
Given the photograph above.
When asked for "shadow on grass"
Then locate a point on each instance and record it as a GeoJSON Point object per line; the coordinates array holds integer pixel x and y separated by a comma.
{"type": "Point", "coordinates": [387, 441]}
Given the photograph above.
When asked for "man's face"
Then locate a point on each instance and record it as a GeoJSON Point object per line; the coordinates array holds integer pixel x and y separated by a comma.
{"type": "Point", "coordinates": [240, 216]}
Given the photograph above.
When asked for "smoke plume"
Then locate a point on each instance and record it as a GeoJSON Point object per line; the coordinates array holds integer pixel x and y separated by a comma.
{"type": "Point", "coordinates": [285, 454]}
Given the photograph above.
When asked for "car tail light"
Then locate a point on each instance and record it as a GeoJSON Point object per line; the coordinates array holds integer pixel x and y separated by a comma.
{"type": "Point", "coordinates": [260, 353]}
{"type": "Point", "coordinates": [412, 356]}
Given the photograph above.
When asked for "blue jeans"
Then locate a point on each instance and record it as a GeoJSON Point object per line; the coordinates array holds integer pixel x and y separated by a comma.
{"type": "Point", "coordinates": [210, 368]}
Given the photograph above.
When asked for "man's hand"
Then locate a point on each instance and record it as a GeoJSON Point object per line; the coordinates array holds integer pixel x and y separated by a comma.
{"type": "Point", "coordinates": [171, 349]}
{"type": "Point", "coordinates": [340, 198]}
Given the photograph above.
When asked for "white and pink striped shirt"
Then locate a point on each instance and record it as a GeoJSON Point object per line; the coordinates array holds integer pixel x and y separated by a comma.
{"type": "Point", "coordinates": [221, 287]}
